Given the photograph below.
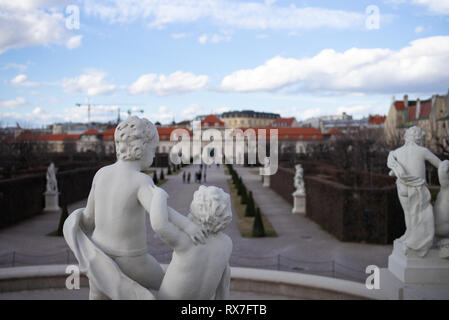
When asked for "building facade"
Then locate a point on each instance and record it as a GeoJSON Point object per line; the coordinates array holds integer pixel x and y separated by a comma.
{"type": "Point", "coordinates": [248, 118]}
{"type": "Point", "coordinates": [431, 114]}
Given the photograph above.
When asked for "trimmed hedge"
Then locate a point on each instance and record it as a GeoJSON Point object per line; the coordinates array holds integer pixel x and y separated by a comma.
{"type": "Point", "coordinates": [373, 215]}
{"type": "Point", "coordinates": [351, 205]}
{"type": "Point", "coordinates": [22, 198]}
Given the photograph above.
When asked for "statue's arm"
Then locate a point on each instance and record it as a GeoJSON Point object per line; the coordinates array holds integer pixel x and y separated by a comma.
{"type": "Point", "coordinates": [88, 217]}
{"type": "Point", "coordinates": [188, 226]}
{"type": "Point", "coordinates": [443, 174]}
{"type": "Point", "coordinates": [222, 292]}
{"type": "Point", "coordinates": [433, 159]}
{"type": "Point", "coordinates": [160, 223]}
{"type": "Point", "coordinates": [145, 196]}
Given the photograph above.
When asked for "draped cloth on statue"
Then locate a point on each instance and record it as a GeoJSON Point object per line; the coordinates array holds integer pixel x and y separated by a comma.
{"type": "Point", "coordinates": [415, 199]}
{"type": "Point", "coordinates": [101, 270]}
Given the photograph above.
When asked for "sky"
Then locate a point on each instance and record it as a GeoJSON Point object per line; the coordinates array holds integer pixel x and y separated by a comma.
{"type": "Point", "coordinates": [176, 59]}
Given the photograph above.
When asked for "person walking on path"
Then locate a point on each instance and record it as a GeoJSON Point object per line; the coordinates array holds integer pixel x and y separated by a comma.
{"type": "Point", "coordinates": [204, 176]}
{"type": "Point", "coordinates": [188, 177]}
{"type": "Point", "coordinates": [184, 177]}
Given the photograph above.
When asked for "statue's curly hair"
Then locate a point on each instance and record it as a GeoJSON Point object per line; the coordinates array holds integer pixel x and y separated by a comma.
{"type": "Point", "coordinates": [132, 136]}
{"type": "Point", "coordinates": [211, 209]}
{"type": "Point", "coordinates": [414, 134]}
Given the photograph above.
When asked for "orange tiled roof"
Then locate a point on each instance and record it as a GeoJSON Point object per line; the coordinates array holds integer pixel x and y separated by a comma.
{"type": "Point", "coordinates": [165, 132]}
{"type": "Point", "coordinates": [399, 105]}
{"type": "Point", "coordinates": [333, 131]}
{"type": "Point", "coordinates": [426, 108]}
{"type": "Point", "coordinates": [109, 134]}
{"type": "Point", "coordinates": [283, 122]}
{"type": "Point", "coordinates": [377, 119]}
{"type": "Point", "coordinates": [411, 115]}
{"type": "Point", "coordinates": [424, 111]}
{"type": "Point", "coordinates": [211, 120]}
{"type": "Point", "coordinates": [90, 132]}
{"type": "Point", "coordinates": [37, 137]}
{"type": "Point", "coordinates": [292, 133]}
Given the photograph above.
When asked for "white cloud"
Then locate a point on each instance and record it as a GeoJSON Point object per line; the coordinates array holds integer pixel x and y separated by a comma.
{"type": "Point", "coordinates": [440, 7]}
{"type": "Point", "coordinates": [234, 14]}
{"type": "Point", "coordinates": [262, 36]}
{"type": "Point", "coordinates": [300, 113]}
{"type": "Point", "coordinates": [40, 116]}
{"type": "Point", "coordinates": [14, 103]}
{"type": "Point", "coordinates": [74, 42]}
{"type": "Point", "coordinates": [18, 66]}
{"type": "Point", "coordinates": [37, 111]}
{"type": "Point", "coordinates": [193, 110]}
{"type": "Point", "coordinates": [309, 113]}
{"type": "Point", "coordinates": [22, 81]}
{"type": "Point", "coordinates": [214, 38]}
{"type": "Point", "coordinates": [31, 23]}
{"type": "Point", "coordinates": [179, 35]}
{"type": "Point", "coordinates": [202, 39]}
{"type": "Point", "coordinates": [175, 83]}
{"type": "Point", "coordinates": [163, 115]}
{"type": "Point", "coordinates": [91, 83]}
{"type": "Point", "coordinates": [419, 29]}
{"type": "Point", "coordinates": [20, 78]}
{"type": "Point", "coordinates": [419, 67]}
{"type": "Point", "coordinates": [101, 113]}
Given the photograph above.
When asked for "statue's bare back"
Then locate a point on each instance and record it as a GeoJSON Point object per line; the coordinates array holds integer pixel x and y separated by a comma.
{"type": "Point", "coordinates": [119, 217]}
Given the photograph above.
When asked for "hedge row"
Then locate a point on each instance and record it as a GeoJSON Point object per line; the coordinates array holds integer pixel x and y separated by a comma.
{"type": "Point", "coordinates": [247, 198]}
{"type": "Point", "coordinates": [22, 198]}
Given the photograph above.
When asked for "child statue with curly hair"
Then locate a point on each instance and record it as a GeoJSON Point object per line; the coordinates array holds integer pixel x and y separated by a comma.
{"type": "Point", "coordinates": [116, 257]}
{"type": "Point", "coordinates": [196, 272]}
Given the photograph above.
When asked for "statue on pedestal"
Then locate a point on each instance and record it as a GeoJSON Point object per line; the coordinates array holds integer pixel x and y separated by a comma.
{"type": "Point", "coordinates": [52, 184]}
{"type": "Point", "coordinates": [415, 268]}
{"type": "Point", "coordinates": [115, 257]}
{"type": "Point", "coordinates": [299, 196]}
{"type": "Point", "coordinates": [51, 190]}
{"type": "Point", "coordinates": [298, 181]}
{"type": "Point", "coordinates": [407, 164]}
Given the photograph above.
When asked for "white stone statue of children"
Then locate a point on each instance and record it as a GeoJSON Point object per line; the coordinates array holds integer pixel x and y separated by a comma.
{"type": "Point", "coordinates": [116, 206]}
{"type": "Point", "coordinates": [407, 163]}
{"type": "Point", "coordinates": [202, 271]}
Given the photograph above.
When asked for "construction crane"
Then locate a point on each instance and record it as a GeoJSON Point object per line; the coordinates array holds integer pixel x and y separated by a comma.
{"type": "Point", "coordinates": [89, 105]}
{"type": "Point", "coordinates": [88, 109]}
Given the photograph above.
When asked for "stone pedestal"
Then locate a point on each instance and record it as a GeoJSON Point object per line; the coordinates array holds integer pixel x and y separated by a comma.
{"type": "Point", "coordinates": [266, 181]}
{"type": "Point", "coordinates": [299, 203]}
{"type": "Point", "coordinates": [411, 277]}
{"type": "Point", "coordinates": [52, 202]}
{"type": "Point", "coordinates": [413, 269]}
